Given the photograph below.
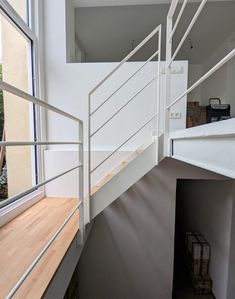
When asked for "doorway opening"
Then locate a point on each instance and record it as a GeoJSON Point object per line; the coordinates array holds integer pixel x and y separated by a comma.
{"type": "Point", "coordinates": [202, 239]}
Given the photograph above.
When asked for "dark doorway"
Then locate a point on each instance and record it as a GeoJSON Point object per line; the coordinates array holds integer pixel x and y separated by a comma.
{"type": "Point", "coordinates": [202, 206]}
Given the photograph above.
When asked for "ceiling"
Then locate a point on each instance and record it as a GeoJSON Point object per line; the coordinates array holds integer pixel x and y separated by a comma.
{"type": "Point", "coordinates": [109, 33]}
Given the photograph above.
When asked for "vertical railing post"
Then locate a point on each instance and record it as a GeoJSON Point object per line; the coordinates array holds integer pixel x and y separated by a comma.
{"type": "Point", "coordinates": [168, 86]}
{"type": "Point", "coordinates": [159, 90]}
{"type": "Point", "coordinates": [81, 185]}
{"type": "Point", "coordinates": [89, 158]}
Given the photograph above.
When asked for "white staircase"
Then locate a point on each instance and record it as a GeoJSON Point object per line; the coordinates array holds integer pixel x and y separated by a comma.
{"type": "Point", "coordinates": [122, 177]}
{"type": "Point", "coordinates": [211, 146]}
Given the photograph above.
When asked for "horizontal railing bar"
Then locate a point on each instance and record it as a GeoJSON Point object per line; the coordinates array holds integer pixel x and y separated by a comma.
{"type": "Point", "coordinates": [207, 136]}
{"type": "Point", "coordinates": [200, 8]}
{"type": "Point", "coordinates": [206, 76]}
{"type": "Point", "coordinates": [19, 93]}
{"type": "Point", "coordinates": [40, 255]}
{"type": "Point", "coordinates": [121, 108]}
{"type": "Point", "coordinates": [28, 143]}
{"type": "Point", "coordinates": [123, 84]}
{"type": "Point", "coordinates": [178, 19]}
{"type": "Point", "coordinates": [126, 58]}
{"type": "Point", "coordinates": [121, 145]}
{"type": "Point", "coordinates": [34, 188]}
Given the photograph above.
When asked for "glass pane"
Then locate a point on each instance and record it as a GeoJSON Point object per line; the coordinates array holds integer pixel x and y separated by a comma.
{"type": "Point", "coordinates": [21, 7]}
{"type": "Point", "coordinates": [15, 58]}
{"type": "Point", "coordinates": [17, 164]}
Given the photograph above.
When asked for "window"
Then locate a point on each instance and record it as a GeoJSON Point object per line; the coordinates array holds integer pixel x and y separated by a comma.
{"type": "Point", "coordinates": [21, 8]}
{"type": "Point", "coordinates": [18, 164]}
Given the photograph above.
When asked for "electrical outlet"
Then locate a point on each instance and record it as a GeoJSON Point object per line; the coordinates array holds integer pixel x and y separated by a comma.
{"type": "Point", "coordinates": [175, 115]}
{"type": "Point", "coordinates": [174, 70]}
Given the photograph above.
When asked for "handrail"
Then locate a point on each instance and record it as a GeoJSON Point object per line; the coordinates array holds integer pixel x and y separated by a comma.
{"type": "Point", "coordinates": [40, 255]}
{"type": "Point", "coordinates": [124, 83]}
{"type": "Point", "coordinates": [133, 52]}
{"type": "Point", "coordinates": [204, 77]}
{"type": "Point", "coordinates": [28, 97]}
{"type": "Point", "coordinates": [29, 143]}
{"type": "Point", "coordinates": [121, 145]}
{"type": "Point", "coordinates": [200, 8]}
{"type": "Point", "coordinates": [172, 9]}
{"type": "Point", "coordinates": [123, 106]}
{"type": "Point", "coordinates": [18, 22]}
{"type": "Point", "coordinates": [35, 187]}
{"type": "Point", "coordinates": [178, 19]}
{"type": "Point", "coordinates": [25, 96]}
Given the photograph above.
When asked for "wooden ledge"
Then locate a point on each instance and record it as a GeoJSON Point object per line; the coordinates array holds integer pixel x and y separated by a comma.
{"type": "Point", "coordinates": [22, 239]}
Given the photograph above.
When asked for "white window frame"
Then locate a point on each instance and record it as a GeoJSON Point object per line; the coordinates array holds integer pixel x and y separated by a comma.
{"type": "Point", "coordinates": [32, 30]}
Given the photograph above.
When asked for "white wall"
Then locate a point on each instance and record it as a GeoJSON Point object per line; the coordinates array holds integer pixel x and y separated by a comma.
{"type": "Point", "coordinates": [206, 207]}
{"type": "Point", "coordinates": [71, 83]}
{"type": "Point", "coordinates": [107, 32]}
{"type": "Point", "coordinates": [194, 73]}
{"type": "Point", "coordinates": [231, 284]}
{"type": "Point", "coordinates": [130, 250]}
{"type": "Point", "coordinates": [221, 84]}
{"type": "Point", "coordinates": [58, 161]}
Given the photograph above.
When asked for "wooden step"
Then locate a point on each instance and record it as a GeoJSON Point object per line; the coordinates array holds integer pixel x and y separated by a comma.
{"type": "Point", "coordinates": [120, 166]}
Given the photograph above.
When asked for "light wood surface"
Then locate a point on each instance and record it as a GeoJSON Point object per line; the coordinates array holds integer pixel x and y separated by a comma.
{"type": "Point", "coordinates": [23, 238]}
{"type": "Point", "coordinates": [120, 166]}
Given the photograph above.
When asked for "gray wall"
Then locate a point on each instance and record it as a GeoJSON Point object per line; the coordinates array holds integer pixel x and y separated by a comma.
{"type": "Point", "coordinates": [206, 207]}
{"type": "Point", "coordinates": [231, 278]}
{"type": "Point", "coordinates": [130, 251]}
{"type": "Point", "coordinates": [106, 33]}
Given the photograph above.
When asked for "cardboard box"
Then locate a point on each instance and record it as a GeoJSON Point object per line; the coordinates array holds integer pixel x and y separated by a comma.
{"type": "Point", "coordinates": [193, 265]}
{"type": "Point", "coordinates": [198, 254]}
{"type": "Point", "coordinates": [205, 246]}
{"type": "Point", "coordinates": [202, 284]}
{"type": "Point", "coordinates": [194, 247]}
{"type": "Point", "coordinates": [205, 254]}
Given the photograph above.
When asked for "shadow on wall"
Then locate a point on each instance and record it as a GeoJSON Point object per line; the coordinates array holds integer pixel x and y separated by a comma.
{"type": "Point", "coordinates": [130, 251]}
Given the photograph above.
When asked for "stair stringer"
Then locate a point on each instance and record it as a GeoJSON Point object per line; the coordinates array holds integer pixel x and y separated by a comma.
{"type": "Point", "coordinates": [210, 146]}
{"type": "Point", "coordinates": [123, 180]}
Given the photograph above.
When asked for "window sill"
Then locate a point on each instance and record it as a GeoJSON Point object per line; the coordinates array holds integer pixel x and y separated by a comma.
{"type": "Point", "coordinates": [14, 209]}
{"type": "Point", "coordinates": [24, 237]}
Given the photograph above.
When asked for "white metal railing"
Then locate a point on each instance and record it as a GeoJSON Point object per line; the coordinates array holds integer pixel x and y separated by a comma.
{"type": "Point", "coordinates": [40, 255]}
{"type": "Point", "coordinates": [170, 58]}
{"type": "Point", "coordinates": [21, 95]}
{"type": "Point", "coordinates": [91, 113]}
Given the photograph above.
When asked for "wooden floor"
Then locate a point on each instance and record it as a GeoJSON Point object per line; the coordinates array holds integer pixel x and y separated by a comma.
{"type": "Point", "coordinates": [23, 238]}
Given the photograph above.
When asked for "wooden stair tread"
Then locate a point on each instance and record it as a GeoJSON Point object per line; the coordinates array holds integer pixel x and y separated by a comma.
{"type": "Point", "coordinates": [119, 167]}
{"type": "Point", "coordinates": [22, 239]}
